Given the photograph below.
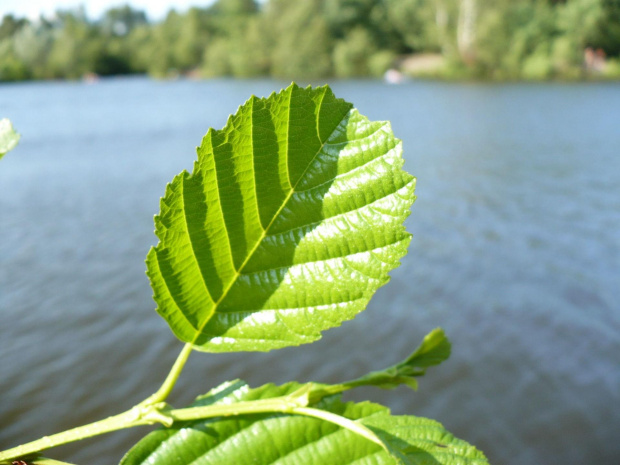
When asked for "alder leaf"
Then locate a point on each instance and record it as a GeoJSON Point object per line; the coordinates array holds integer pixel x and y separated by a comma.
{"type": "Point", "coordinates": [291, 439]}
{"type": "Point", "coordinates": [435, 348]}
{"type": "Point", "coordinates": [8, 137]}
{"type": "Point", "coordinates": [289, 222]}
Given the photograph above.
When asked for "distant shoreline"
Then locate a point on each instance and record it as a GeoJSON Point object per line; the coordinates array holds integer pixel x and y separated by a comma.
{"type": "Point", "coordinates": [91, 78]}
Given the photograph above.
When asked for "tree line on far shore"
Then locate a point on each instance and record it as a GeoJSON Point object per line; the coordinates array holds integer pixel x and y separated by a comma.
{"type": "Point", "coordinates": [310, 39]}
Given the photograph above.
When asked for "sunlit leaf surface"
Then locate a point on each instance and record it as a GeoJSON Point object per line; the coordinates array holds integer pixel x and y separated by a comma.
{"type": "Point", "coordinates": [295, 439]}
{"type": "Point", "coordinates": [290, 220]}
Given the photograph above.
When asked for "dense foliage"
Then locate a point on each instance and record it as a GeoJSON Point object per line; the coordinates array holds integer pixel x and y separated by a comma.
{"type": "Point", "coordinates": [499, 39]}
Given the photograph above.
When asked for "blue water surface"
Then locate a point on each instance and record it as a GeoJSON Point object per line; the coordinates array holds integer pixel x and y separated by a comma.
{"type": "Point", "coordinates": [516, 254]}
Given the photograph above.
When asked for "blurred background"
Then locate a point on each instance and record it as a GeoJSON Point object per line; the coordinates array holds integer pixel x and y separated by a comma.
{"type": "Point", "coordinates": [450, 39]}
{"type": "Point", "coordinates": [509, 114]}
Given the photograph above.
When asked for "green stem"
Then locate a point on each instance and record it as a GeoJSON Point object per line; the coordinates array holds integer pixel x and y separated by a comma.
{"type": "Point", "coordinates": [275, 405]}
{"type": "Point", "coordinates": [121, 421]}
{"type": "Point", "coordinates": [166, 388]}
{"type": "Point", "coordinates": [155, 413]}
{"type": "Point", "coordinates": [145, 413]}
{"type": "Point", "coordinates": [158, 413]}
{"type": "Point", "coordinates": [154, 410]}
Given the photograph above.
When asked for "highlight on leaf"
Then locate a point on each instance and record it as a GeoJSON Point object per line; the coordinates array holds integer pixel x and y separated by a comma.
{"type": "Point", "coordinates": [291, 219]}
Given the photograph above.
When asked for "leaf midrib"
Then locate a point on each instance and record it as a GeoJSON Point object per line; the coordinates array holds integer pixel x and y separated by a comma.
{"type": "Point", "coordinates": [238, 271]}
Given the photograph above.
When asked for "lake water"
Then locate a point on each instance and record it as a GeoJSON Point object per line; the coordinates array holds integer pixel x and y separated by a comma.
{"type": "Point", "coordinates": [516, 254]}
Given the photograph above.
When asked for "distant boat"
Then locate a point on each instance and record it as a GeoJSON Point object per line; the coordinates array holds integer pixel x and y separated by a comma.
{"type": "Point", "coordinates": [90, 78]}
{"type": "Point", "coordinates": [393, 76]}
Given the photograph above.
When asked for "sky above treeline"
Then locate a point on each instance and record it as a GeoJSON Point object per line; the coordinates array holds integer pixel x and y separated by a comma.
{"type": "Point", "coordinates": [155, 9]}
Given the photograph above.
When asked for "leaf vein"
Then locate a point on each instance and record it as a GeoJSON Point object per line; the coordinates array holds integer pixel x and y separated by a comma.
{"type": "Point", "coordinates": [338, 257]}
{"type": "Point", "coordinates": [338, 215]}
{"type": "Point", "coordinates": [277, 213]}
{"type": "Point", "coordinates": [345, 173]}
{"type": "Point", "coordinates": [285, 309]}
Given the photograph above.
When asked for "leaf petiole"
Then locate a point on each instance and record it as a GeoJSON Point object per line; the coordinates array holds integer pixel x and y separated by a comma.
{"type": "Point", "coordinates": [166, 388]}
{"type": "Point", "coordinates": [124, 420]}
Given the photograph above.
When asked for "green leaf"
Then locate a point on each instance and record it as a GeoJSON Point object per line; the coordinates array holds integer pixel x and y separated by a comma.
{"type": "Point", "coordinates": [8, 137]}
{"type": "Point", "coordinates": [435, 348]}
{"type": "Point", "coordinates": [289, 222]}
{"type": "Point", "coordinates": [285, 439]}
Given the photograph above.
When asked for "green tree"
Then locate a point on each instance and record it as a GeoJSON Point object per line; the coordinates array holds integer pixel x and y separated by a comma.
{"type": "Point", "coordinates": [234, 8]}
{"type": "Point", "coordinates": [344, 15]}
{"type": "Point", "coordinates": [216, 60]}
{"type": "Point", "coordinates": [249, 55]}
{"type": "Point", "coordinates": [75, 45]}
{"type": "Point", "coordinates": [138, 47]}
{"type": "Point", "coordinates": [122, 20]}
{"type": "Point", "coordinates": [299, 39]}
{"type": "Point", "coordinates": [498, 39]}
{"type": "Point", "coordinates": [192, 35]}
{"type": "Point", "coordinates": [175, 45]}
{"type": "Point", "coordinates": [414, 22]}
{"type": "Point", "coordinates": [239, 45]}
{"type": "Point", "coordinates": [11, 67]}
{"type": "Point", "coordinates": [32, 45]}
{"type": "Point", "coordinates": [507, 33]}
{"type": "Point", "coordinates": [606, 34]}
{"type": "Point", "coordinates": [351, 55]}
{"type": "Point", "coordinates": [10, 25]}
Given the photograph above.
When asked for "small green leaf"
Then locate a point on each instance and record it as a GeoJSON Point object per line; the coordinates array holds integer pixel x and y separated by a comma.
{"type": "Point", "coordinates": [435, 348]}
{"type": "Point", "coordinates": [289, 222]}
{"type": "Point", "coordinates": [287, 439]}
{"type": "Point", "coordinates": [8, 137]}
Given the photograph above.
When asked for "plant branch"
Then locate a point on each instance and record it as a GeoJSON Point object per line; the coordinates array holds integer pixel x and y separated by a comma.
{"type": "Point", "coordinates": [128, 419]}
{"type": "Point", "coordinates": [284, 404]}
{"type": "Point", "coordinates": [146, 412]}
{"type": "Point", "coordinates": [152, 411]}
{"type": "Point", "coordinates": [166, 388]}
